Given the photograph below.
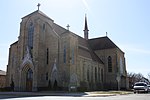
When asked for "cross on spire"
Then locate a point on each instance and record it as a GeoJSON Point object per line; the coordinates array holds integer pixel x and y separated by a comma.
{"type": "Point", "coordinates": [68, 27]}
{"type": "Point", "coordinates": [39, 6]}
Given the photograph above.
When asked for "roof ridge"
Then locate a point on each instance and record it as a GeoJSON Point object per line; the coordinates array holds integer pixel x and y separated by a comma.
{"type": "Point", "coordinates": [40, 12]}
{"type": "Point", "coordinates": [99, 37]}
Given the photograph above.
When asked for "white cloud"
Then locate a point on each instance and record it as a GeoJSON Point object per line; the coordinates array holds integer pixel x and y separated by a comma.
{"type": "Point", "coordinates": [86, 4]}
{"type": "Point", "coordinates": [134, 49]}
{"type": "Point", "coordinates": [143, 51]}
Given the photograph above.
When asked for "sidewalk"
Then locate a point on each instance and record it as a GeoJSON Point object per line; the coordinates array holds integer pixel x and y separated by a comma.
{"type": "Point", "coordinates": [108, 93]}
{"type": "Point", "coordinates": [77, 94]}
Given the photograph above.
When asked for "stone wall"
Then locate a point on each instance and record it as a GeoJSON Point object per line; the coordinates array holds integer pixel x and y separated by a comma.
{"type": "Point", "coordinates": [90, 74]}
{"type": "Point", "coordinates": [118, 67]}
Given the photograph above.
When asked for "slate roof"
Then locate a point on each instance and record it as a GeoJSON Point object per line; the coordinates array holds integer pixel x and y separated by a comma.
{"type": "Point", "coordinates": [86, 51]}
{"type": "Point", "coordinates": [2, 72]}
{"type": "Point", "coordinates": [59, 29]}
{"type": "Point", "coordinates": [101, 43]}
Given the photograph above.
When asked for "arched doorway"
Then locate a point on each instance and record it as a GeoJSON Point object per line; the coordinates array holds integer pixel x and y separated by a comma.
{"type": "Point", "coordinates": [29, 79]}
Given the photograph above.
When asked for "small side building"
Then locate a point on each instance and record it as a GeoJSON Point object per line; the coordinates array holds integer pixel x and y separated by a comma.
{"type": "Point", "coordinates": [2, 79]}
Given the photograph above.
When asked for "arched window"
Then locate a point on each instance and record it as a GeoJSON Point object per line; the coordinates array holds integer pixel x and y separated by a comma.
{"type": "Point", "coordinates": [30, 35]}
{"type": "Point", "coordinates": [109, 64]}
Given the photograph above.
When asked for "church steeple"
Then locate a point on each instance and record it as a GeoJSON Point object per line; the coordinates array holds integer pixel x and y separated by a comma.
{"type": "Point", "coordinates": [86, 29]}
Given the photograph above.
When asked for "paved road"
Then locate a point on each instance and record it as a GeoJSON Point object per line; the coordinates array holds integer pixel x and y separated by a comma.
{"type": "Point", "coordinates": [118, 97]}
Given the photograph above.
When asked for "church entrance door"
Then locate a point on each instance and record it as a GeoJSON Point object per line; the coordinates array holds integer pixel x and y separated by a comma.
{"type": "Point", "coordinates": [29, 79]}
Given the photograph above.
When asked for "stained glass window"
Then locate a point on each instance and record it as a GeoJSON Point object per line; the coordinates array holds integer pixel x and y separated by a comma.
{"type": "Point", "coordinates": [30, 35]}
{"type": "Point", "coordinates": [109, 64]}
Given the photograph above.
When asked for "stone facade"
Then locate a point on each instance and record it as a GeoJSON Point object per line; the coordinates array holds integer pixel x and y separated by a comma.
{"type": "Point", "coordinates": [50, 57]}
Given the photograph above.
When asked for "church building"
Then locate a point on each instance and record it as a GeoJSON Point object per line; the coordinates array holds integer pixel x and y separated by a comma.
{"type": "Point", "coordinates": [47, 56]}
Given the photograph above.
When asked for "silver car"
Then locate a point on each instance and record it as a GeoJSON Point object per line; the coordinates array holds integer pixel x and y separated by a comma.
{"type": "Point", "coordinates": [140, 87]}
{"type": "Point", "coordinates": [148, 87]}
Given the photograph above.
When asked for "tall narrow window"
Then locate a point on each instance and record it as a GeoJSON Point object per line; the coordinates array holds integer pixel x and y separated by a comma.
{"type": "Point", "coordinates": [95, 74]}
{"type": "Point", "coordinates": [47, 56]}
{"type": "Point", "coordinates": [47, 76]}
{"type": "Point", "coordinates": [102, 75]}
{"type": "Point", "coordinates": [72, 55]}
{"type": "Point", "coordinates": [13, 61]}
{"type": "Point", "coordinates": [64, 54]}
{"type": "Point", "coordinates": [99, 74]}
{"type": "Point", "coordinates": [30, 35]}
{"type": "Point", "coordinates": [109, 64]}
{"type": "Point", "coordinates": [12, 77]}
{"type": "Point", "coordinates": [83, 69]}
{"type": "Point", "coordinates": [121, 66]}
{"type": "Point", "coordinates": [88, 75]}
{"type": "Point", "coordinates": [44, 27]}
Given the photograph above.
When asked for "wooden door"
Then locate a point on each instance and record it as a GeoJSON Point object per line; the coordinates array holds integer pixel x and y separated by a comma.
{"type": "Point", "coordinates": [29, 79]}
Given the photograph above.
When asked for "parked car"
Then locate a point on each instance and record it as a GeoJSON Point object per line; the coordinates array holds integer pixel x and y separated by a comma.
{"type": "Point", "coordinates": [140, 87]}
{"type": "Point", "coordinates": [148, 88]}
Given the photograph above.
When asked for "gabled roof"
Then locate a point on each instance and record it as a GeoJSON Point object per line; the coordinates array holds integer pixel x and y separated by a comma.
{"type": "Point", "coordinates": [2, 72]}
{"type": "Point", "coordinates": [101, 43]}
{"type": "Point", "coordinates": [86, 51]}
{"type": "Point", "coordinates": [39, 12]}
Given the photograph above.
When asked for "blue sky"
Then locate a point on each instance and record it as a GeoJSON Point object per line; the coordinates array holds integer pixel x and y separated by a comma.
{"type": "Point", "coordinates": [127, 23]}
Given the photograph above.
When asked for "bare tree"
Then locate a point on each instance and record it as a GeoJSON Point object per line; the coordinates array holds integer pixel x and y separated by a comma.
{"type": "Point", "coordinates": [148, 76]}
{"type": "Point", "coordinates": [134, 77]}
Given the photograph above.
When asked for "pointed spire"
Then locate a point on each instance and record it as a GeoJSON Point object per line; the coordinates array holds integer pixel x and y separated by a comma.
{"type": "Point", "coordinates": [86, 26]}
{"type": "Point", "coordinates": [86, 29]}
